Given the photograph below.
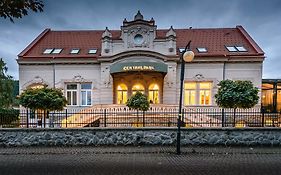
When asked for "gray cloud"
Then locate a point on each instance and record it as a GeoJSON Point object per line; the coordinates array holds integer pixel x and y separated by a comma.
{"type": "Point", "coordinates": [260, 18]}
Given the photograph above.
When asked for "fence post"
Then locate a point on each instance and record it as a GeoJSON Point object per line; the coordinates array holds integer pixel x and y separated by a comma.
{"type": "Point", "coordinates": [143, 118]}
{"type": "Point", "coordinates": [66, 118]}
{"type": "Point", "coordinates": [104, 116]}
{"type": "Point", "coordinates": [262, 113]}
{"type": "Point", "coordinates": [27, 122]}
{"type": "Point", "coordinates": [222, 117]}
{"type": "Point", "coordinates": [44, 118]}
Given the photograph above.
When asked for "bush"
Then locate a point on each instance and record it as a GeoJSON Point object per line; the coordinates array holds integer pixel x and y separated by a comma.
{"type": "Point", "coordinates": [9, 118]}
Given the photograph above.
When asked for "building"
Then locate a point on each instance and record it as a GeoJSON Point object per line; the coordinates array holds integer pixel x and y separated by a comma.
{"type": "Point", "coordinates": [108, 66]}
{"type": "Point", "coordinates": [271, 95]}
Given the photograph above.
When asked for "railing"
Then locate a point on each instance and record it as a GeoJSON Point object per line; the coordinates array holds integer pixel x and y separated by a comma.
{"type": "Point", "coordinates": [156, 116]}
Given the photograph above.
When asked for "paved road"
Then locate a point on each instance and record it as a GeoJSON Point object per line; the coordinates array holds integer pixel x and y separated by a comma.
{"type": "Point", "coordinates": [140, 160]}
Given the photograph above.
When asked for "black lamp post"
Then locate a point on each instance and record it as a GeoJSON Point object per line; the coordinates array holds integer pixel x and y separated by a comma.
{"type": "Point", "coordinates": [186, 56]}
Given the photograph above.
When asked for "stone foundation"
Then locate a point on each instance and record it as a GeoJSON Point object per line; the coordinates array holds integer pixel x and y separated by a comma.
{"type": "Point", "coordinates": [140, 136]}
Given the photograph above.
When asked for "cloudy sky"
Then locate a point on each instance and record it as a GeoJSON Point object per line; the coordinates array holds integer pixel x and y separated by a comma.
{"type": "Point", "coordinates": [261, 19]}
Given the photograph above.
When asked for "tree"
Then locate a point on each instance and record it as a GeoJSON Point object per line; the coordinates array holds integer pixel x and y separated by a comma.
{"type": "Point", "coordinates": [19, 8]}
{"type": "Point", "coordinates": [237, 94]}
{"type": "Point", "coordinates": [6, 86]}
{"type": "Point", "coordinates": [43, 99]}
{"type": "Point", "coordinates": [46, 99]}
{"type": "Point", "coordinates": [138, 101]}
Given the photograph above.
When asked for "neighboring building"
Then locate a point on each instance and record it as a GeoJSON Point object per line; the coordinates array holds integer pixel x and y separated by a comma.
{"type": "Point", "coordinates": [107, 67]}
{"type": "Point", "coordinates": [271, 95]}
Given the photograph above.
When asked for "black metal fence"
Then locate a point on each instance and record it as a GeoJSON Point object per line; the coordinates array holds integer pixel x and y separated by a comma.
{"type": "Point", "coordinates": [154, 117]}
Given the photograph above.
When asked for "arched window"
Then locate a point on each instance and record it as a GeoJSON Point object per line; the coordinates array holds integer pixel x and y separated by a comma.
{"type": "Point", "coordinates": [37, 86]}
{"type": "Point", "coordinates": [122, 94]}
{"type": "Point", "coordinates": [153, 94]}
{"type": "Point", "coordinates": [138, 87]}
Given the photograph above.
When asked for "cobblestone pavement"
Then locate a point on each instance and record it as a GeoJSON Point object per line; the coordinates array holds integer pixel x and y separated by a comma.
{"type": "Point", "coordinates": [140, 160]}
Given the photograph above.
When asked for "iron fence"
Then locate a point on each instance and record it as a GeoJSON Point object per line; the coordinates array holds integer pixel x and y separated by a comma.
{"type": "Point", "coordinates": [154, 117]}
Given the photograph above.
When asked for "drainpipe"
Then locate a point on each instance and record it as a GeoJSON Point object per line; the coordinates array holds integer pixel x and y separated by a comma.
{"type": "Point", "coordinates": [222, 112]}
{"type": "Point", "coordinates": [54, 73]}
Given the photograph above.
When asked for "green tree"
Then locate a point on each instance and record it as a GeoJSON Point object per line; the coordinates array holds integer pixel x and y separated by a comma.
{"type": "Point", "coordinates": [43, 99]}
{"type": "Point", "coordinates": [19, 8]}
{"type": "Point", "coordinates": [138, 101]}
{"type": "Point", "coordinates": [6, 86]}
{"type": "Point", "coordinates": [46, 99]}
{"type": "Point", "coordinates": [237, 94]}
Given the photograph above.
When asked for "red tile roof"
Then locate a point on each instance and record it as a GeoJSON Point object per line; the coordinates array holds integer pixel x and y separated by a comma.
{"type": "Point", "coordinates": [214, 39]}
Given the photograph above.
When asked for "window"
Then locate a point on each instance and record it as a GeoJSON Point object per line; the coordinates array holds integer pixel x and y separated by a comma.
{"type": "Point", "coordinates": [122, 94]}
{"type": "Point", "coordinates": [231, 49]}
{"type": "Point", "coordinates": [79, 94]}
{"type": "Point", "coordinates": [86, 94]}
{"type": "Point", "coordinates": [181, 50]}
{"type": "Point", "coordinates": [153, 94]}
{"type": "Point", "coordinates": [241, 49]}
{"type": "Point", "coordinates": [197, 93]}
{"type": "Point", "coordinates": [138, 87]}
{"type": "Point", "coordinates": [236, 49]}
{"type": "Point", "coordinates": [74, 51]}
{"type": "Point", "coordinates": [47, 51]}
{"type": "Point", "coordinates": [202, 49]}
{"type": "Point", "coordinates": [56, 51]}
{"type": "Point", "coordinates": [71, 94]}
{"type": "Point", "coordinates": [190, 92]}
{"type": "Point", "coordinates": [205, 91]}
{"type": "Point", "coordinates": [92, 51]}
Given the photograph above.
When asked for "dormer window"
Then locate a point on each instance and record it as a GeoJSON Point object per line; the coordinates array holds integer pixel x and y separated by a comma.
{"type": "Point", "coordinates": [74, 51]}
{"type": "Point", "coordinates": [48, 51]}
{"type": "Point", "coordinates": [202, 49]}
{"type": "Point", "coordinates": [56, 51]}
{"type": "Point", "coordinates": [92, 51]}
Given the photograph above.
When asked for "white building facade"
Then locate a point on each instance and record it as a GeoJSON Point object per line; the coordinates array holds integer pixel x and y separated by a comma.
{"type": "Point", "coordinates": [106, 67]}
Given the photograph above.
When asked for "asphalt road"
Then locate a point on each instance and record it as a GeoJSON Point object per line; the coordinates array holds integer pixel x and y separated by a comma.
{"type": "Point", "coordinates": [115, 161]}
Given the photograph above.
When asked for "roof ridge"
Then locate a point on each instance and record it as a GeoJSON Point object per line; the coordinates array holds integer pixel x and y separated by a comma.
{"type": "Point", "coordinates": [250, 39]}
{"type": "Point", "coordinates": [34, 42]}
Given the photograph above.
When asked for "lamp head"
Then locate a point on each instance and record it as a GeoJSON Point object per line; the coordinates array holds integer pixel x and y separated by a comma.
{"type": "Point", "coordinates": [188, 56]}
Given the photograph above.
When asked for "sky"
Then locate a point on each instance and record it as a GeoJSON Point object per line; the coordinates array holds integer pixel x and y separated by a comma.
{"type": "Point", "coordinates": [260, 18]}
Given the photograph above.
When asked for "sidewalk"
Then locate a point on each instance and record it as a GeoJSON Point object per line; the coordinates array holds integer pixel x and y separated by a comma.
{"type": "Point", "coordinates": [139, 150]}
{"type": "Point", "coordinates": [140, 161]}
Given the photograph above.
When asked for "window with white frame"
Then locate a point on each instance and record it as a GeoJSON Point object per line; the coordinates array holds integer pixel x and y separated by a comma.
{"type": "Point", "coordinates": [197, 93]}
{"type": "Point", "coordinates": [79, 94]}
{"type": "Point", "coordinates": [86, 94]}
{"type": "Point", "coordinates": [71, 94]}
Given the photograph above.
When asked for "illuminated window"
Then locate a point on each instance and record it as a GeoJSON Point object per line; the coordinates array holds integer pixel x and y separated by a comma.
{"type": "Point", "coordinates": [122, 94]}
{"type": "Point", "coordinates": [197, 93]}
{"type": "Point", "coordinates": [190, 92]}
{"type": "Point", "coordinates": [153, 94]}
{"type": "Point", "coordinates": [205, 92]}
{"type": "Point", "coordinates": [138, 87]}
{"type": "Point", "coordinates": [37, 86]}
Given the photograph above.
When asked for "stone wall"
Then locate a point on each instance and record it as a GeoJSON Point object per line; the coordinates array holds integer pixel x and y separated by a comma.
{"type": "Point", "coordinates": [140, 136]}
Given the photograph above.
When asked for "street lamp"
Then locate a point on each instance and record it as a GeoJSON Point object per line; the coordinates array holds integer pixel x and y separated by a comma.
{"type": "Point", "coordinates": [186, 56]}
